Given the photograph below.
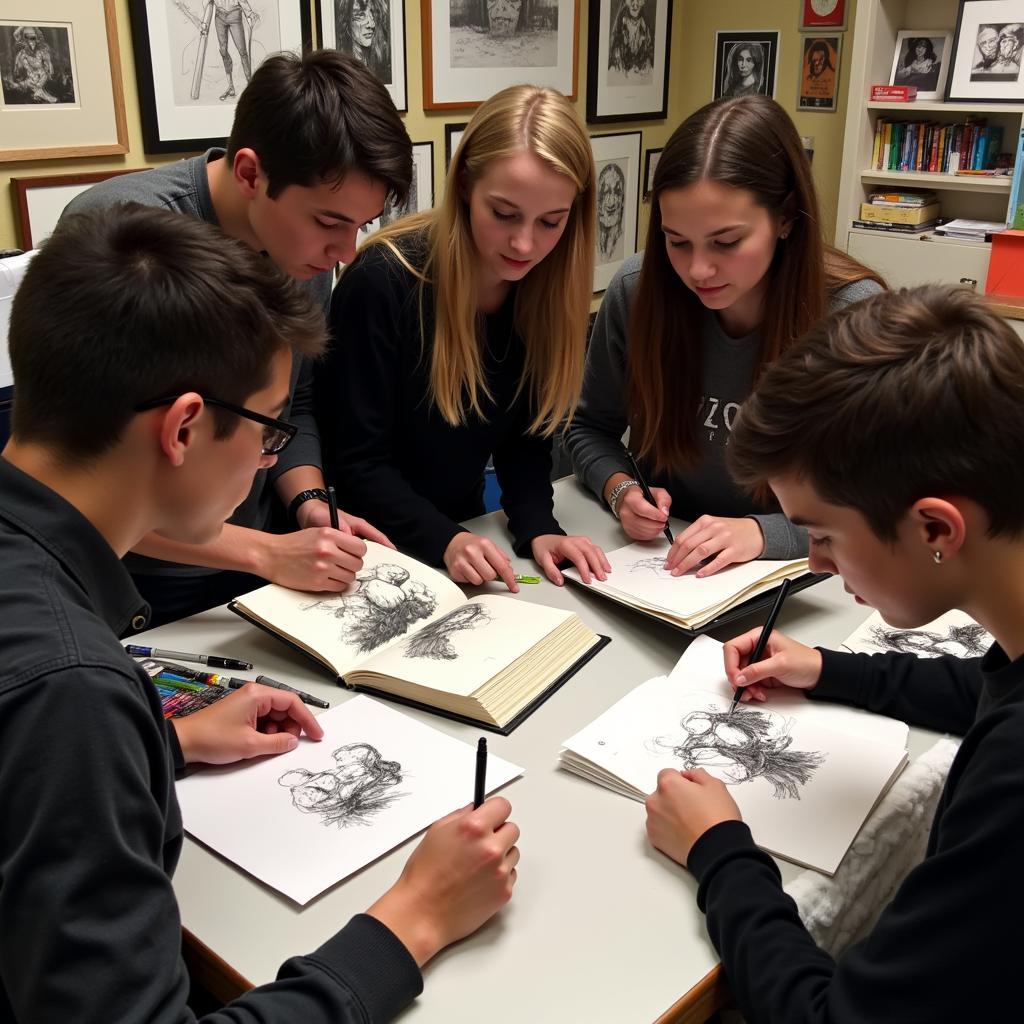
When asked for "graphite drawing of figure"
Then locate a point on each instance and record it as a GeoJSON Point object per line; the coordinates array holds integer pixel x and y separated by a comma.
{"type": "Point", "coordinates": [435, 641]}
{"type": "Point", "coordinates": [744, 75]}
{"type": "Point", "coordinates": [34, 76]}
{"type": "Point", "coordinates": [611, 209]}
{"type": "Point", "coordinates": [352, 792]}
{"type": "Point", "coordinates": [654, 564]}
{"type": "Point", "coordinates": [363, 29]}
{"type": "Point", "coordinates": [232, 20]}
{"type": "Point", "coordinates": [968, 640]}
{"type": "Point", "coordinates": [631, 41]}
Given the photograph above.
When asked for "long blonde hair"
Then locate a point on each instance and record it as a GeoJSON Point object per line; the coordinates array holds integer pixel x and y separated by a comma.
{"type": "Point", "coordinates": [552, 301]}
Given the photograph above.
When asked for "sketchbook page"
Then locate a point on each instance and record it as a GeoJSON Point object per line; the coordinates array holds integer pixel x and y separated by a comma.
{"type": "Point", "coordinates": [954, 633]}
{"type": "Point", "coordinates": [393, 595]}
{"type": "Point", "coordinates": [702, 666]}
{"type": "Point", "coordinates": [461, 651]}
{"type": "Point", "coordinates": [307, 819]}
{"type": "Point", "coordinates": [803, 789]}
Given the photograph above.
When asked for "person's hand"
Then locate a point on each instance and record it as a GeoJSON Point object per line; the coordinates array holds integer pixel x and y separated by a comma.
{"type": "Point", "coordinates": [252, 721]}
{"type": "Point", "coordinates": [460, 875]}
{"type": "Point", "coordinates": [640, 519]}
{"type": "Point", "coordinates": [717, 542]}
{"type": "Point", "coordinates": [318, 513]}
{"type": "Point", "coordinates": [319, 559]}
{"type": "Point", "coordinates": [551, 548]}
{"type": "Point", "coordinates": [784, 663]}
{"type": "Point", "coordinates": [683, 807]}
{"type": "Point", "coordinates": [472, 559]}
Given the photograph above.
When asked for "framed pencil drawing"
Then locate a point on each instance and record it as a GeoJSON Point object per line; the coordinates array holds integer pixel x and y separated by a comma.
{"type": "Point", "coordinates": [193, 58]}
{"type": "Point", "coordinates": [421, 192]}
{"type": "Point", "coordinates": [628, 60]}
{"type": "Point", "coordinates": [988, 45]}
{"type": "Point", "coordinates": [474, 48]}
{"type": "Point", "coordinates": [452, 138]}
{"type": "Point", "coordinates": [618, 198]}
{"type": "Point", "coordinates": [745, 63]}
{"type": "Point", "coordinates": [373, 31]}
{"type": "Point", "coordinates": [60, 80]}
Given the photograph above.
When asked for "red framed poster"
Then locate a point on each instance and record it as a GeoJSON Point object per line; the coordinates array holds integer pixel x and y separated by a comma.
{"type": "Point", "coordinates": [824, 14]}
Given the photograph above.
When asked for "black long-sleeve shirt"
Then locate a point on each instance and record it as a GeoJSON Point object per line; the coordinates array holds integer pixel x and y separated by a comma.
{"type": "Point", "coordinates": [948, 946]}
{"type": "Point", "coordinates": [90, 830]}
{"type": "Point", "coordinates": [392, 457]}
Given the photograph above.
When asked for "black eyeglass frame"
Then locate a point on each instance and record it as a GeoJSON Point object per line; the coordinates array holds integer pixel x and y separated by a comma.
{"type": "Point", "coordinates": [286, 430]}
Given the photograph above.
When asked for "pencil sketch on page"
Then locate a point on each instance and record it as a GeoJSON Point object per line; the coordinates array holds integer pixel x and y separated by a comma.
{"type": "Point", "coordinates": [654, 564]}
{"type": "Point", "coordinates": [435, 641]}
{"type": "Point", "coordinates": [383, 603]}
{"type": "Point", "coordinates": [357, 788]}
{"type": "Point", "coordinates": [743, 746]}
{"type": "Point", "coordinates": [968, 640]}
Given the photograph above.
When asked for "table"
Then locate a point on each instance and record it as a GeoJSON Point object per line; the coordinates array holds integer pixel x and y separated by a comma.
{"type": "Point", "coordinates": [601, 926]}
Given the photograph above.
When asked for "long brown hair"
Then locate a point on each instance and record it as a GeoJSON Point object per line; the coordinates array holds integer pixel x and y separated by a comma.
{"type": "Point", "coordinates": [749, 143]}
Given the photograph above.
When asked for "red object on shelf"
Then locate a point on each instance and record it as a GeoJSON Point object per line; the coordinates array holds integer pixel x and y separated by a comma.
{"type": "Point", "coordinates": [893, 93]}
{"type": "Point", "coordinates": [1006, 265]}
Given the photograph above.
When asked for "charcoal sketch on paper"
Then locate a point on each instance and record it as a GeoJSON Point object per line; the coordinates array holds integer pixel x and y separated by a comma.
{"type": "Point", "coordinates": [611, 211]}
{"type": "Point", "coordinates": [383, 603]}
{"type": "Point", "coordinates": [997, 52]}
{"type": "Point", "coordinates": [968, 640]}
{"type": "Point", "coordinates": [36, 65]}
{"type": "Point", "coordinates": [653, 564]}
{"type": "Point", "coordinates": [744, 746]}
{"type": "Point", "coordinates": [503, 33]}
{"type": "Point", "coordinates": [357, 788]}
{"type": "Point", "coordinates": [435, 641]}
{"type": "Point", "coordinates": [362, 28]}
{"type": "Point", "coordinates": [631, 42]}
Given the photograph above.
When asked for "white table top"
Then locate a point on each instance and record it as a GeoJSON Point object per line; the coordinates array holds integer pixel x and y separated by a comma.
{"type": "Point", "coordinates": [594, 900]}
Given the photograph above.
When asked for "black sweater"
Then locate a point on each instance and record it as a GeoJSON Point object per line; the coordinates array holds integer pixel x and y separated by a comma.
{"type": "Point", "coordinates": [391, 456]}
{"type": "Point", "coordinates": [948, 946]}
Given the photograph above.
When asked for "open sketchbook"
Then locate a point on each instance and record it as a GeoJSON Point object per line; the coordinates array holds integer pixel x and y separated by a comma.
{"type": "Point", "coordinates": [406, 632]}
{"type": "Point", "coordinates": [805, 775]}
{"type": "Point", "coordinates": [954, 633]}
{"type": "Point", "coordinates": [639, 580]}
{"type": "Point", "coordinates": [307, 819]}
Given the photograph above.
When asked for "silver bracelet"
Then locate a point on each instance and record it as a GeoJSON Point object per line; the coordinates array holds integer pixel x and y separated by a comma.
{"type": "Point", "coordinates": [616, 496]}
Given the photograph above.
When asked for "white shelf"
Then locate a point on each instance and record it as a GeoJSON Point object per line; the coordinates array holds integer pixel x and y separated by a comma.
{"type": "Point", "coordinates": [968, 182]}
{"type": "Point", "coordinates": [935, 106]}
{"type": "Point", "coordinates": [924, 236]}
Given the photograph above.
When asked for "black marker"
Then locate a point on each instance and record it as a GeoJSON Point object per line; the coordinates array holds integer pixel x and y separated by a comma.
{"type": "Point", "coordinates": [332, 504]}
{"type": "Point", "coordinates": [480, 786]}
{"type": "Point", "coordinates": [306, 698]}
{"type": "Point", "coordinates": [639, 477]}
{"type": "Point", "coordinates": [202, 659]}
{"type": "Point", "coordinates": [762, 640]}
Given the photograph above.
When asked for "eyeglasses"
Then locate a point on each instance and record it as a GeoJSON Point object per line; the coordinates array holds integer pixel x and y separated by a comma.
{"type": "Point", "coordinates": [277, 434]}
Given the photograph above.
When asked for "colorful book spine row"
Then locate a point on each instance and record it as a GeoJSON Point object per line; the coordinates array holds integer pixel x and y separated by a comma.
{"type": "Point", "coordinates": [930, 146]}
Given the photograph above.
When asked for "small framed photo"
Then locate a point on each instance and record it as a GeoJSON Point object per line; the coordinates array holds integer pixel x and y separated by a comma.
{"type": "Point", "coordinates": [452, 138]}
{"type": "Point", "coordinates": [819, 14]}
{"type": "Point", "coordinates": [421, 192]}
{"type": "Point", "coordinates": [373, 31]}
{"type": "Point", "coordinates": [922, 59]}
{"type": "Point", "coordinates": [39, 201]}
{"type": "Point", "coordinates": [193, 58]}
{"type": "Point", "coordinates": [745, 63]}
{"type": "Point", "coordinates": [985, 64]}
{"type": "Point", "coordinates": [475, 48]}
{"type": "Point", "coordinates": [628, 63]}
{"type": "Point", "coordinates": [651, 158]}
{"type": "Point", "coordinates": [618, 198]}
{"type": "Point", "coordinates": [60, 80]}
{"type": "Point", "coordinates": [819, 73]}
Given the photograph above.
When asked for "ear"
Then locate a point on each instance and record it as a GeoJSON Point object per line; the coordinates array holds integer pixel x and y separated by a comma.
{"type": "Point", "coordinates": [247, 172]}
{"type": "Point", "coordinates": [940, 524]}
{"type": "Point", "coordinates": [178, 427]}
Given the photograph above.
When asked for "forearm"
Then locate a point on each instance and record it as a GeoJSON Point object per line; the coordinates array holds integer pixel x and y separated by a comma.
{"type": "Point", "coordinates": [237, 548]}
{"type": "Point", "coordinates": [294, 481]}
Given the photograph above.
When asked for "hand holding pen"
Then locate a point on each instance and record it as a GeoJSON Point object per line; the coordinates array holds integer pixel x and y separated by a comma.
{"type": "Point", "coordinates": [644, 516]}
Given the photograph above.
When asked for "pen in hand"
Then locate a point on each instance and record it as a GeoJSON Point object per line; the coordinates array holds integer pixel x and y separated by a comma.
{"type": "Point", "coordinates": [648, 497]}
{"type": "Point", "coordinates": [480, 783]}
{"type": "Point", "coordinates": [332, 505]}
{"type": "Point", "coordinates": [762, 640]}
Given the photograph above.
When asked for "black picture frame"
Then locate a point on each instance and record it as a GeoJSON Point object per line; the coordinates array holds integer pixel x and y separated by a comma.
{"type": "Point", "coordinates": [767, 47]}
{"type": "Point", "coordinates": [648, 182]}
{"type": "Point", "coordinates": [452, 129]}
{"type": "Point", "coordinates": [623, 95]}
{"type": "Point", "coordinates": [968, 81]}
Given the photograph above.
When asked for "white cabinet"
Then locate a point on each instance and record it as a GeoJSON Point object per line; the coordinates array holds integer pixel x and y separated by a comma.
{"type": "Point", "coordinates": [905, 262]}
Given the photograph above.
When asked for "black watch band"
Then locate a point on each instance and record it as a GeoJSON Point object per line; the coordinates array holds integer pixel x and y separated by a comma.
{"type": "Point", "coordinates": [303, 496]}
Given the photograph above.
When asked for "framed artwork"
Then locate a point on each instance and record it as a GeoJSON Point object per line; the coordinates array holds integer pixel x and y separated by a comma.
{"type": "Point", "coordinates": [922, 59]}
{"type": "Point", "coordinates": [372, 31]}
{"type": "Point", "coordinates": [818, 14]}
{"type": "Point", "coordinates": [193, 58]}
{"type": "Point", "coordinates": [60, 80]}
{"type": "Point", "coordinates": [651, 158]}
{"type": "Point", "coordinates": [475, 48]}
{"type": "Point", "coordinates": [985, 63]}
{"type": "Point", "coordinates": [819, 73]}
{"type": "Point", "coordinates": [452, 138]}
{"type": "Point", "coordinates": [618, 193]}
{"type": "Point", "coordinates": [745, 63]}
{"type": "Point", "coordinates": [421, 192]}
{"type": "Point", "coordinates": [628, 62]}
{"type": "Point", "coordinates": [39, 201]}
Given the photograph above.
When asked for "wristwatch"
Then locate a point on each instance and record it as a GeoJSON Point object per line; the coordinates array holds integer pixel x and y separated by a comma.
{"type": "Point", "coordinates": [617, 491]}
{"type": "Point", "coordinates": [303, 496]}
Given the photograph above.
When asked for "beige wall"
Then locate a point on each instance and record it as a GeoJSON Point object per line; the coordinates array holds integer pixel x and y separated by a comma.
{"type": "Point", "coordinates": [692, 61]}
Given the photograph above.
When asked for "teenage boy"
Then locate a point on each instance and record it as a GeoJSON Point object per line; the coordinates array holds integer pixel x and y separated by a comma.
{"type": "Point", "coordinates": [895, 434]}
{"type": "Point", "coordinates": [151, 359]}
{"type": "Point", "coordinates": [315, 150]}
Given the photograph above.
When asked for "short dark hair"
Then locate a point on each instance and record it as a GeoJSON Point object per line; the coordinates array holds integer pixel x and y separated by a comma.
{"type": "Point", "coordinates": [316, 117]}
{"type": "Point", "coordinates": [120, 307]}
{"type": "Point", "coordinates": [902, 395]}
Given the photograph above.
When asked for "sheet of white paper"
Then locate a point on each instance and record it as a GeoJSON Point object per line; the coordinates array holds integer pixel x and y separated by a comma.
{"type": "Point", "coordinates": [307, 819]}
{"type": "Point", "coordinates": [954, 633]}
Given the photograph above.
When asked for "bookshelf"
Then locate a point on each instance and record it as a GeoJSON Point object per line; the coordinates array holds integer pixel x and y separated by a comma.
{"type": "Point", "coordinates": [913, 259]}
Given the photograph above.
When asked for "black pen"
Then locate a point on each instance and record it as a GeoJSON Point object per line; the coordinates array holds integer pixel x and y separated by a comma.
{"type": "Point", "coordinates": [201, 659]}
{"type": "Point", "coordinates": [332, 504]}
{"type": "Point", "coordinates": [480, 786]}
{"type": "Point", "coordinates": [762, 640]}
{"type": "Point", "coordinates": [306, 698]}
{"type": "Point", "coordinates": [639, 477]}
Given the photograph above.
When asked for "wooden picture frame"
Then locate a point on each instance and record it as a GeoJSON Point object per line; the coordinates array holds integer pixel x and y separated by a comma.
{"type": "Point", "coordinates": [819, 14]}
{"type": "Point", "coordinates": [617, 157]}
{"type": "Point", "coordinates": [987, 60]}
{"type": "Point", "coordinates": [61, 93]}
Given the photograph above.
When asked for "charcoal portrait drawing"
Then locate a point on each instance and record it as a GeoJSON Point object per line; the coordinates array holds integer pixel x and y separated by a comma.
{"type": "Point", "coordinates": [36, 66]}
{"type": "Point", "coordinates": [611, 212]}
{"type": "Point", "coordinates": [631, 41]}
{"type": "Point", "coordinates": [362, 28]}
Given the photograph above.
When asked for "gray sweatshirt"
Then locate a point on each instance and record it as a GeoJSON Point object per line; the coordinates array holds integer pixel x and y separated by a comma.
{"type": "Point", "coordinates": [595, 435]}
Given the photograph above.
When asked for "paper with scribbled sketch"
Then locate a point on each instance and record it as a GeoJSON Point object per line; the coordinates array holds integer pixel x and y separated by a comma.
{"type": "Point", "coordinates": [954, 633]}
{"type": "Point", "coordinates": [305, 820]}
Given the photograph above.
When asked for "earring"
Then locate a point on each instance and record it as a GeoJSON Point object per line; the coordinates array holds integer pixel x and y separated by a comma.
{"type": "Point", "coordinates": [783, 234]}
{"type": "Point", "coordinates": [937, 557]}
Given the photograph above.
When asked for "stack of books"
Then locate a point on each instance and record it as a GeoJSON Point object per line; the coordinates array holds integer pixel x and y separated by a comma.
{"type": "Point", "coordinates": [930, 146]}
{"type": "Point", "coordinates": [970, 230]}
{"type": "Point", "coordinates": [911, 213]}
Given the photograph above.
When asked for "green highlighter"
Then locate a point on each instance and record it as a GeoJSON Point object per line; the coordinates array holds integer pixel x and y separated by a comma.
{"type": "Point", "coordinates": [527, 579]}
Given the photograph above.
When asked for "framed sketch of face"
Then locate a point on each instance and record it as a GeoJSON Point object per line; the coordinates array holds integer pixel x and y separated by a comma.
{"type": "Point", "coordinates": [745, 63]}
{"type": "Point", "coordinates": [421, 192]}
{"type": "Point", "coordinates": [819, 73]}
{"type": "Point", "coordinates": [617, 158]}
{"type": "Point", "coordinates": [988, 46]}
{"type": "Point", "coordinates": [921, 58]}
{"type": "Point", "coordinates": [372, 31]}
